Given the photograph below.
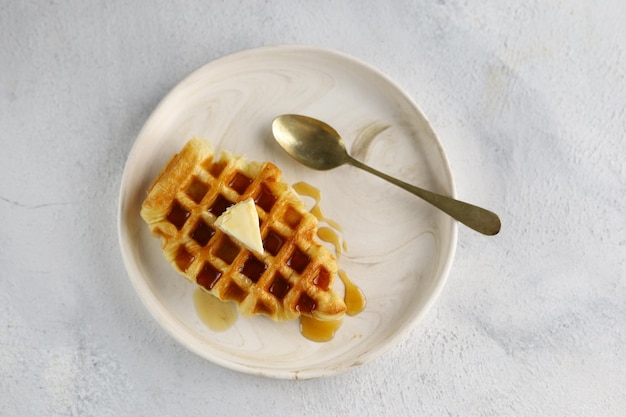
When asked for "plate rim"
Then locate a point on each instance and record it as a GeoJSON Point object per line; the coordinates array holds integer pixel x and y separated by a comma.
{"type": "Point", "coordinates": [156, 308]}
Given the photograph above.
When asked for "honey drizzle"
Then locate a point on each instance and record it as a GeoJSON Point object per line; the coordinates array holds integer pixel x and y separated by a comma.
{"type": "Point", "coordinates": [308, 190]}
{"type": "Point", "coordinates": [216, 314]}
{"type": "Point", "coordinates": [318, 330]}
{"type": "Point", "coordinates": [329, 235]}
{"type": "Point", "coordinates": [354, 297]}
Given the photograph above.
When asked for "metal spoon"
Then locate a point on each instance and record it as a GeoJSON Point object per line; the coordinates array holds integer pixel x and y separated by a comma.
{"type": "Point", "coordinates": [319, 146]}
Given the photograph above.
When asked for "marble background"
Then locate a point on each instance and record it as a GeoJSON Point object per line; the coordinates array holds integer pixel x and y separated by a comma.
{"type": "Point", "coordinates": [529, 100]}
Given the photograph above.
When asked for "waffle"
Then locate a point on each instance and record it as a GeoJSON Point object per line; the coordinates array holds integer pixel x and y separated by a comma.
{"type": "Point", "coordinates": [294, 275]}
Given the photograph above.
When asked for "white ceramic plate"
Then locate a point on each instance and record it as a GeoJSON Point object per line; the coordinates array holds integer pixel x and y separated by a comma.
{"type": "Point", "coordinates": [400, 248]}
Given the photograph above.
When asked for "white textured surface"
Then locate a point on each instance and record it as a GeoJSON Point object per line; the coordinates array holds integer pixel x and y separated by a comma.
{"type": "Point", "coordinates": [529, 100]}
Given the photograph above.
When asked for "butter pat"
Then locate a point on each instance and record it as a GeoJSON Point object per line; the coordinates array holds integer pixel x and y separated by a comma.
{"type": "Point", "coordinates": [241, 222]}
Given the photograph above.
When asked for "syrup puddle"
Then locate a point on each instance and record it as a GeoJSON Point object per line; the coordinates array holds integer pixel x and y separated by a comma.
{"type": "Point", "coordinates": [220, 316]}
{"type": "Point", "coordinates": [216, 314]}
{"type": "Point", "coordinates": [308, 190]}
{"type": "Point", "coordinates": [317, 330]}
{"type": "Point", "coordinates": [354, 297]}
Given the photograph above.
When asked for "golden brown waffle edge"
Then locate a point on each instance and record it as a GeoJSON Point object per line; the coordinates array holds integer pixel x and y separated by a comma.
{"type": "Point", "coordinates": [295, 274]}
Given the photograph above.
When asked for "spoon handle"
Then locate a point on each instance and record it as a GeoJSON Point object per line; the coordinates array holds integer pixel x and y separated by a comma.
{"type": "Point", "coordinates": [479, 219]}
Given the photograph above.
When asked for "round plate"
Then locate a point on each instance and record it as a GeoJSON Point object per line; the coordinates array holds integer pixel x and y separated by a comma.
{"type": "Point", "coordinates": [399, 248]}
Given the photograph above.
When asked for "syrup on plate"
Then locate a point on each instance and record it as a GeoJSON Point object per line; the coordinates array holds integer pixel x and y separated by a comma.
{"type": "Point", "coordinates": [317, 330]}
{"type": "Point", "coordinates": [216, 314]}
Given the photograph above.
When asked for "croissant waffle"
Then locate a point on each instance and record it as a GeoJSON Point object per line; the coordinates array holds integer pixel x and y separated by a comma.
{"type": "Point", "coordinates": [294, 275]}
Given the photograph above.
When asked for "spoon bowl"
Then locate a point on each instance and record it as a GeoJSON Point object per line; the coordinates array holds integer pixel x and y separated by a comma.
{"type": "Point", "coordinates": [317, 145]}
{"type": "Point", "coordinates": [310, 141]}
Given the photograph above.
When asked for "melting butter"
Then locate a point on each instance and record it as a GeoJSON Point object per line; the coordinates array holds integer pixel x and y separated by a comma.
{"type": "Point", "coordinates": [241, 222]}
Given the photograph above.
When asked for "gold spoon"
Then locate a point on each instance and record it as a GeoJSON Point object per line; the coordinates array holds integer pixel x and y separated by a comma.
{"type": "Point", "coordinates": [317, 145]}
